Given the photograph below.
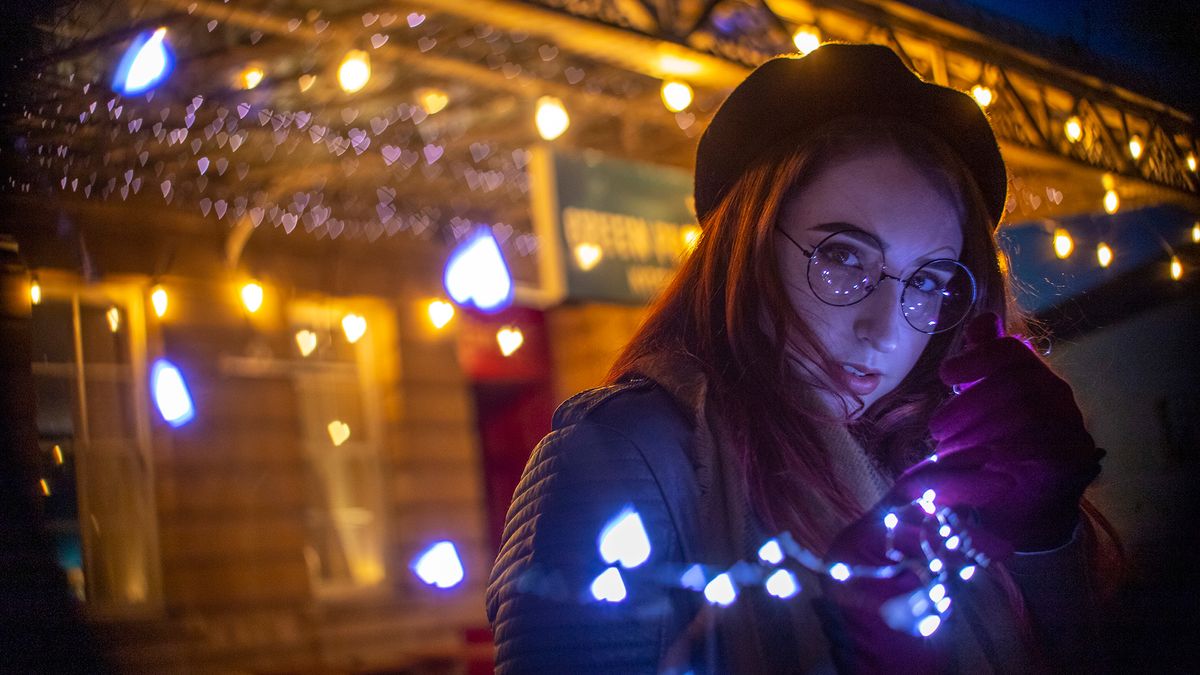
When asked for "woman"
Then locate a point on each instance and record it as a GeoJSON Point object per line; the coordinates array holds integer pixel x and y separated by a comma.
{"type": "Point", "coordinates": [827, 363]}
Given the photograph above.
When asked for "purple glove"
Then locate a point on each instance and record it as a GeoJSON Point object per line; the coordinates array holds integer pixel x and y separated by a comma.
{"type": "Point", "coordinates": [1011, 445]}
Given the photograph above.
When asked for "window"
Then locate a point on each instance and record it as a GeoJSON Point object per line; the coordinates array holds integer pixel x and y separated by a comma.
{"type": "Point", "coordinates": [339, 420]}
{"type": "Point", "coordinates": [97, 474]}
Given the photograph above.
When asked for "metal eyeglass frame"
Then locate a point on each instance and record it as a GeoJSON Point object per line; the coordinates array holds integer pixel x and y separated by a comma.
{"type": "Point", "coordinates": [882, 275]}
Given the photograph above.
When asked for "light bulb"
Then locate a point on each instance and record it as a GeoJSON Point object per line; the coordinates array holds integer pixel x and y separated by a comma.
{"type": "Point", "coordinates": [250, 77]}
{"type": "Point", "coordinates": [1196, 232]}
{"type": "Point", "coordinates": [588, 255]}
{"type": "Point", "coordinates": [1104, 254]}
{"type": "Point", "coordinates": [252, 296]}
{"type": "Point", "coordinates": [1191, 161]}
{"type": "Point", "coordinates": [1073, 129]}
{"type": "Point", "coordinates": [145, 64]}
{"type": "Point", "coordinates": [1135, 146]}
{"type": "Point", "coordinates": [1063, 244]}
{"type": "Point", "coordinates": [676, 95]}
{"type": "Point", "coordinates": [355, 71]}
{"type": "Point", "coordinates": [982, 95]}
{"type": "Point", "coordinates": [1176, 268]}
{"type": "Point", "coordinates": [440, 312]}
{"type": "Point", "coordinates": [114, 319]}
{"type": "Point", "coordinates": [806, 39]}
{"type": "Point", "coordinates": [510, 339]}
{"type": "Point", "coordinates": [35, 292]}
{"type": "Point", "coordinates": [551, 118]}
{"type": "Point", "coordinates": [158, 299]}
{"type": "Point", "coordinates": [354, 325]}
{"type": "Point", "coordinates": [1111, 202]}
{"type": "Point", "coordinates": [432, 100]}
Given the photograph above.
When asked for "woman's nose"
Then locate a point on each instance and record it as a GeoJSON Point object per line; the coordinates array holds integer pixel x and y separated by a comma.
{"type": "Point", "coordinates": [878, 321]}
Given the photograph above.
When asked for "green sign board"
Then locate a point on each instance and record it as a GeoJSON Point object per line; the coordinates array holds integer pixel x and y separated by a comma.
{"type": "Point", "coordinates": [621, 227]}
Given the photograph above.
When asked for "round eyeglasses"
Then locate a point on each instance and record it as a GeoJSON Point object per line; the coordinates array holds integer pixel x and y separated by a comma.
{"type": "Point", "coordinates": [847, 266]}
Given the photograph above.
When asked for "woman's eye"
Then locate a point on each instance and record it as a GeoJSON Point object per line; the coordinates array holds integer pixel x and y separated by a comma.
{"type": "Point", "coordinates": [926, 283]}
{"type": "Point", "coordinates": [842, 255]}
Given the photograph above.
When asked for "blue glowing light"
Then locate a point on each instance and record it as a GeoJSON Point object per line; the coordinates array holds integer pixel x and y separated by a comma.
{"type": "Point", "coordinates": [953, 542]}
{"type": "Point", "coordinates": [770, 552]}
{"type": "Point", "coordinates": [943, 605]}
{"type": "Point", "coordinates": [782, 584]}
{"type": "Point", "coordinates": [477, 274]}
{"type": "Point", "coordinates": [937, 592]}
{"type": "Point", "coordinates": [944, 530]}
{"type": "Point", "coordinates": [171, 393]}
{"type": "Point", "coordinates": [624, 540]}
{"type": "Point", "coordinates": [609, 587]}
{"type": "Point", "coordinates": [720, 590]}
{"type": "Point", "coordinates": [693, 578]}
{"type": "Point", "coordinates": [145, 64]}
{"type": "Point", "coordinates": [440, 565]}
{"type": "Point", "coordinates": [839, 571]}
{"type": "Point", "coordinates": [936, 565]}
{"type": "Point", "coordinates": [890, 521]}
{"type": "Point", "coordinates": [966, 573]}
{"type": "Point", "coordinates": [928, 625]}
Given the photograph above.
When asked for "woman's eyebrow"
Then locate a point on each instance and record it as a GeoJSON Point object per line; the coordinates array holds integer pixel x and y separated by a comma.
{"type": "Point", "coordinates": [849, 227]}
{"type": "Point", "coordinates": [838, 226]}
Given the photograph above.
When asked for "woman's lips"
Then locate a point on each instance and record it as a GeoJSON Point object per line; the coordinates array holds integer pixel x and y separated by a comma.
{"type": "Point", "coordinates": [860, 385]}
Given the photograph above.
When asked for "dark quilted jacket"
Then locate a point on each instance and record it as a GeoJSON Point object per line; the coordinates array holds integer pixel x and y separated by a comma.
{"type": "Point", "coordinates": [627, 444]}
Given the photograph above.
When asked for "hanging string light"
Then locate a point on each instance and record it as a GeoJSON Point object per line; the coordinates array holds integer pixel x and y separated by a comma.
{"type": "Point", "coordinates": [354, 326]}
{"type": "Point", "coordinates": [114, 318]}
{"type": "Point", "coordinates": [1111, 202]}
{"type": "Point", "coordinates": [588, 255]}
{"type": "Point", "coordinates": [1073, 129]}
{"type": "Point", "coordinates": [510, 339]}
{"type": "Point", "coordinates": [158, 300]}
{"type": "Point", "coordinates": [1104, 254]}
{"type": "Point", "coordinates": [355, 71]}
{"type": "Point", "coordinates": [676, 95]}
{"type": "Point", "coordinates": [432, 100]}
{"type": "Point", "coordinates": [35, 291]}
{"type": "Point", "coordinates": [1196, 232]}
{"type": "Point", "coordinates": [1135, 146]}
{"type": "Point", "coordinates": [1191, 161]}
{"type": "Point", "coordinates": [982, 95]}
{"type": "Point", "coordinates": [1063, 244]}
{"type": "Point", "coordinates": [252, 296]}
{"type": "Point", "coordinates": [1176, 268]}
{"type": "Point", "coordinates": [551, 118]}
{"type": "Point", "coordinates": [806, 39]}
{"type": "Point", "coordinates": [306, 341]}
{"type": "Point", "coordinates": [250, 77]}
{"type": "Point", "coordinates": [440, 313]}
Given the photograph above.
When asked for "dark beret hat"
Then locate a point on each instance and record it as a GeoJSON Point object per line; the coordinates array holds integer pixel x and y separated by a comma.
{"type": "Point", "coordinates": [788, 97]}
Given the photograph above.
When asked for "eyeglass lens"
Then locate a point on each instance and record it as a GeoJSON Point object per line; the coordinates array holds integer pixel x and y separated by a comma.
{"type": "Point", "coordinates": [846, 267]}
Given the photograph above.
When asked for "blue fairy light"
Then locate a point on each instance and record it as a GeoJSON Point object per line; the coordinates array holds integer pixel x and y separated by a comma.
{"type": "Point", "coordinates": [782, 584]}
{"type": "Point", "coordinates": [477, 275]}
{"type": "Point", "coordinates": [720, 590]}
{"type": "Point", "coordinates": [440, 565]}
{"type": "Point", "coordinates": [928, 625]}
{"type": "Point", "coordinates": [839, 571]}
{"type": "Point", "coordinates": [966, 573]}
{"type": "Point", "coordinates": [171, 394]}
{"type": "Point", "coordinates": [624, 540]}
{"type": "Point", "coordinates": [770, 552]}
{"type": "Point", "coordinates": [890, 521]}
{"type": "Point", "coordinates": [145, 64]}
{"type": "Point", "coordinates": [609, 587]}
{"type": "Point", "coordinates": [693, 578]}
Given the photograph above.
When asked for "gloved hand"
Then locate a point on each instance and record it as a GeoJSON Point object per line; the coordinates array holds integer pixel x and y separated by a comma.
{"type": "Point", "coordinates": [1015, 425]}
{"type": "Point", "coordinates": [871, 626]}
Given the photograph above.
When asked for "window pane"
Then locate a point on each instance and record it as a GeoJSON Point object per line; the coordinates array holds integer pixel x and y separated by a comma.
{"type": "Point", "coordinates": [100, 343]}
{"type": "Point", "coordinates": [119, 524]}
{"type": "Point", "coordinates": [109, 407]}
{"type": "Point", "coordinates": [55, 406]}
{"type": "Point", "coordinates": [53, 332]}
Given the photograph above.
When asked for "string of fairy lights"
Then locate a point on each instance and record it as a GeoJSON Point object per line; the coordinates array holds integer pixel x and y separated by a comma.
{"type": "Point", "coordinates": [948, 557]}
